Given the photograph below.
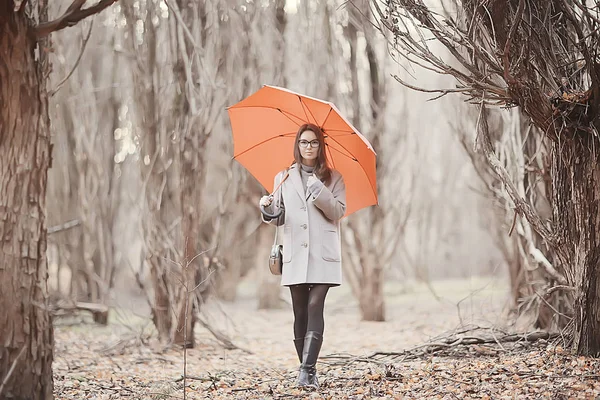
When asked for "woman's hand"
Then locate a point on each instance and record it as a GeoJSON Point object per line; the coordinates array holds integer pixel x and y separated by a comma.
{"type": "Point", "coordinates": [311, 180]}
{"type": "Point", "coordinates": [314, 185]}
{"type": "Point", "coordinates": [266, 201]}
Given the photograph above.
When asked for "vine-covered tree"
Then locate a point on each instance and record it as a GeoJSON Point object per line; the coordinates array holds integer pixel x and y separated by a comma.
{"type": "Point", "coordinates": [540, 56]}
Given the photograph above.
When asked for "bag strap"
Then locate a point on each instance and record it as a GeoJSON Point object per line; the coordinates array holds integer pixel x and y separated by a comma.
{"type": "Point", "coordinates": [280, 200]}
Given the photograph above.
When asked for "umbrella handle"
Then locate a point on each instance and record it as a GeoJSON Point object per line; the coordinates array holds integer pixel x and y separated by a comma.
{"type": "Point", "coordinates": [269, 215]}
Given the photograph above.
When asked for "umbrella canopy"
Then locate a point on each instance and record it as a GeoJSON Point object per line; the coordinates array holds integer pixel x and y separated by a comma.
{"type": "Point", "coordinates": [264, 127]}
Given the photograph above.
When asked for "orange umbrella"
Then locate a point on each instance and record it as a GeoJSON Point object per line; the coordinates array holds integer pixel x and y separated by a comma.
{"type": "Point", "coordinates": [264, 127]}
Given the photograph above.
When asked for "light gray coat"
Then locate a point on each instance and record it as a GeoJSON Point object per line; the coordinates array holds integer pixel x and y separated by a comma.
{"type": "Point", "coordinates": [311, 229]}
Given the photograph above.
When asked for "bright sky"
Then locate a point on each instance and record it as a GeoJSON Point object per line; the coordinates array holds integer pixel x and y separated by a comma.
{"type": "Point", "coordinates": [291, 6]}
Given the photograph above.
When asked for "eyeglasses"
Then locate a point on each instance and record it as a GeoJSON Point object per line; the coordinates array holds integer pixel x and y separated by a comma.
{"type": "Point", "coordinates": [313, 143]}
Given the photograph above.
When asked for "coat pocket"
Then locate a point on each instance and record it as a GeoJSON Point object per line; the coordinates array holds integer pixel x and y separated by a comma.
{"type": "Point", "coordinates": [287, 244]}
{"type": "Point", "coordinates": [331, 245]}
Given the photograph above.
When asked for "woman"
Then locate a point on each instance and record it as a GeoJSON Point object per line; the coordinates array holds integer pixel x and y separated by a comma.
{"type": "Point", "coordinates": [313, 200]}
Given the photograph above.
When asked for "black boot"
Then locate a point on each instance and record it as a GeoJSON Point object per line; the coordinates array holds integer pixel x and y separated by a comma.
{"type": "Point", "coordinates": [299, 343]}
{"type": "Point", "coordinates": [308, 370]}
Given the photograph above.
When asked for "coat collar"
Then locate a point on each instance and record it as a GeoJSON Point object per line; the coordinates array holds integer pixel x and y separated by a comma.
{"type": "Point", "coordinates": [297, 181]}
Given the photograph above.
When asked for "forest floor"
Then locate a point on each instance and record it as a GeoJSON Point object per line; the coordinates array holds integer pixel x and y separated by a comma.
{"type": "Point", "coordinates": [124, 360]}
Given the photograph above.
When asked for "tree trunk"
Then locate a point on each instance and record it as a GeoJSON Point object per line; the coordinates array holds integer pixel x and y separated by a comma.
{"type": "Point", "coordinates": [576, 196]}
{"type": "Point", "coordinates": [269, 287]}
{"type": "Point", "coordinates": [26, 335]}
{"type": "Point", "coordinates": [351, 32]}
{"type": "Point", "coordinates": [186, 318]}
{"type": "Point", "coordinates": [367, 230]}
{"type": "Point", "coordinates": [161, 311]}
{"type": "Point", "coordinates": [159, 164]}
{"type": "Point", "coordinates": [280, 23]}
{"type": "Point", "coordinates": [372, 305]}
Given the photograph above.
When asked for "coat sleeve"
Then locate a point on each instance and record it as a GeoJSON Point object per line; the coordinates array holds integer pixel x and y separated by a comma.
{"type": "Point", "coordinates": [332, 201]}
{"type": "Point", "coordinates": [276, 205]}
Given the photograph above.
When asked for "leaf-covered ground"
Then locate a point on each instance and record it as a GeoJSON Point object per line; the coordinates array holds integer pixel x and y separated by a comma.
{"type": "Point", "coordinates": [123, 360]}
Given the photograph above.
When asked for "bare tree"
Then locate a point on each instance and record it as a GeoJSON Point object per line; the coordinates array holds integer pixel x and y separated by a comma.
{"type": "Point", "coordinates": [193, 117]}
{"type": "Point", "coordinates": [230, 202]}
{"type": "Point", "coordinates": [506, 53]}
{"type": "Point", "coordinates": [367, 238]}
{"type": "Point", "coordinates": [25, 326]}
{"type": "Point", "coordinates": [334, 66]}
{"type": "Point", "coordinates": [524, 154]}
{"type": "Point", "coordinates": [269, 287]}
{"type": "Point", "coordinates": [85, 181]}
{"type": "Point", "coordinates": [185, 76]}
{"type": "Point", "coordinates": [252, 44]}
{"type": "Point", "coordinates": [159, 156]}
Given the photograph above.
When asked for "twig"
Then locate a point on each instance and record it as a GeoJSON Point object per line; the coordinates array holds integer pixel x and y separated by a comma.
{"type": "Point", "coordinates": [552, 307]}
{"type": "Point", "coordinates": [223, 339]}
{"type": "Point", "coordinates": [559, 287]}
{"type": "Point", "coordinates": [63, 227]}
{"type": "Point", "coordinates": [185, 319]}
{"type": "Point", "coordinates": [514, 222]}
{"type": "Point", "coordinates": [83, 47]}
{"type": "Point", "coordinates": [444, 344]}
{"type": "Point", "coordinates": [497, 341]}
{"type": "Point", "coordinates": [23, 4]}
{"type": "Point", "coordinates": [174, 396]}
{"type": "Point", "coordinates": [454, 380]}
{"type": "Point", "coordinates": [116, 389]}
{"type": "Point", "coordinates": [71, 17]}
{"type": "Point", "coordinates": [12, 368]}
{"type": "Point", "coordinates": [519, 14]}
{"type": "Point", "coordinates": [194, 378]}
{"type": "Point", "coordinates": [243, 389]}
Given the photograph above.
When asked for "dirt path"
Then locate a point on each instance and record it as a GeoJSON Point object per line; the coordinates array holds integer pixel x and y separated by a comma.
{"type": "Point", "coordinates": [123, 361]}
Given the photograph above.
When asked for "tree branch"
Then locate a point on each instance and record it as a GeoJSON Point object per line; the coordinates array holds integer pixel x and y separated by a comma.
{"type": "Point", "coordinates": [521, 205]}
{"type": "Point", "coordinates": [507, 76]}
{"type": "Point", "coordinates": [71, 17]}
{"type": "Point", "coordinates": [83, 46]}
{"type": "Point", "coordinates": [22, 6]}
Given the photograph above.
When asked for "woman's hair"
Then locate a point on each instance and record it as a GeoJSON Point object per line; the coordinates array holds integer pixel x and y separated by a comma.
{"type": "Point", "coordinates": [322, 170]}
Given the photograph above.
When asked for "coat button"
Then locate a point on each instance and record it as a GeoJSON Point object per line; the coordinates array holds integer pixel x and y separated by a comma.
{"type": "Point", "coordinates": [304, 244]}
{"type": "Point", "coordinates": [303, 208]}
{"type": "Point", "coordinates": [304, 226]}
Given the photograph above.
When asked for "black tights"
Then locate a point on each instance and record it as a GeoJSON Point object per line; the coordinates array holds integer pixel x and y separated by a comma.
{"type": "Point", "coordinates": [308, 302]}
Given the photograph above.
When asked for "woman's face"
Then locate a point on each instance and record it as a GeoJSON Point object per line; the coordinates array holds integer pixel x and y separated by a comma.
{"type": "Point", "coordinates": [309, 146]}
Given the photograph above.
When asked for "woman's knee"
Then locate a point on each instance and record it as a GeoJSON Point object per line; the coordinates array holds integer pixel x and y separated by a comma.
{"type": "Point", "coordinates": [315, 305]}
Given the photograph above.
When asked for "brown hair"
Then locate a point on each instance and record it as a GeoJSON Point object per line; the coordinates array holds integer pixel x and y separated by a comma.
{"type": "Point", "coordinates": [322, 170]}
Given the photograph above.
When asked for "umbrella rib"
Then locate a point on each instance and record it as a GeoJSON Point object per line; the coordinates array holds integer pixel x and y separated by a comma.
{"type": "Point", "coordinates": [287, 116]}
{"type": "Point", "coordinates": [326, 118]}
{"type": "Point", "coordinates": [311, 114]}
{"type": "Point", "coordinates": [288, 134]}
{"type": "Point", "coordinates": [350, 156]}
{"type": "Point", "coordinates": [361, 166]}
{"type": "Point", "coordinates": [340, 130]}
{"type": "Point", "coordinates": [303, 109]}
{"type": "Point", "coordinates": [343, 134]}
{"type": "Point", "coordinates": [331, 156]}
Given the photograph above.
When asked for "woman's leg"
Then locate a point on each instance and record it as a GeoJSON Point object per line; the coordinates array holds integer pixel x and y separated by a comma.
{"type": "Point", "coordinates": [300, 306]}
{"type": "Point", "coordinates": [316, 305]}
{"type": "Point", "coordinates": [300, 296]}
{"type": "Point", "coordinates": [314, 336]}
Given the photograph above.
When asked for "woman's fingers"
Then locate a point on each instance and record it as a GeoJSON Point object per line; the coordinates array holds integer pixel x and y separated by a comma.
{"type": "Point", "coordinates": [266, 201]}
